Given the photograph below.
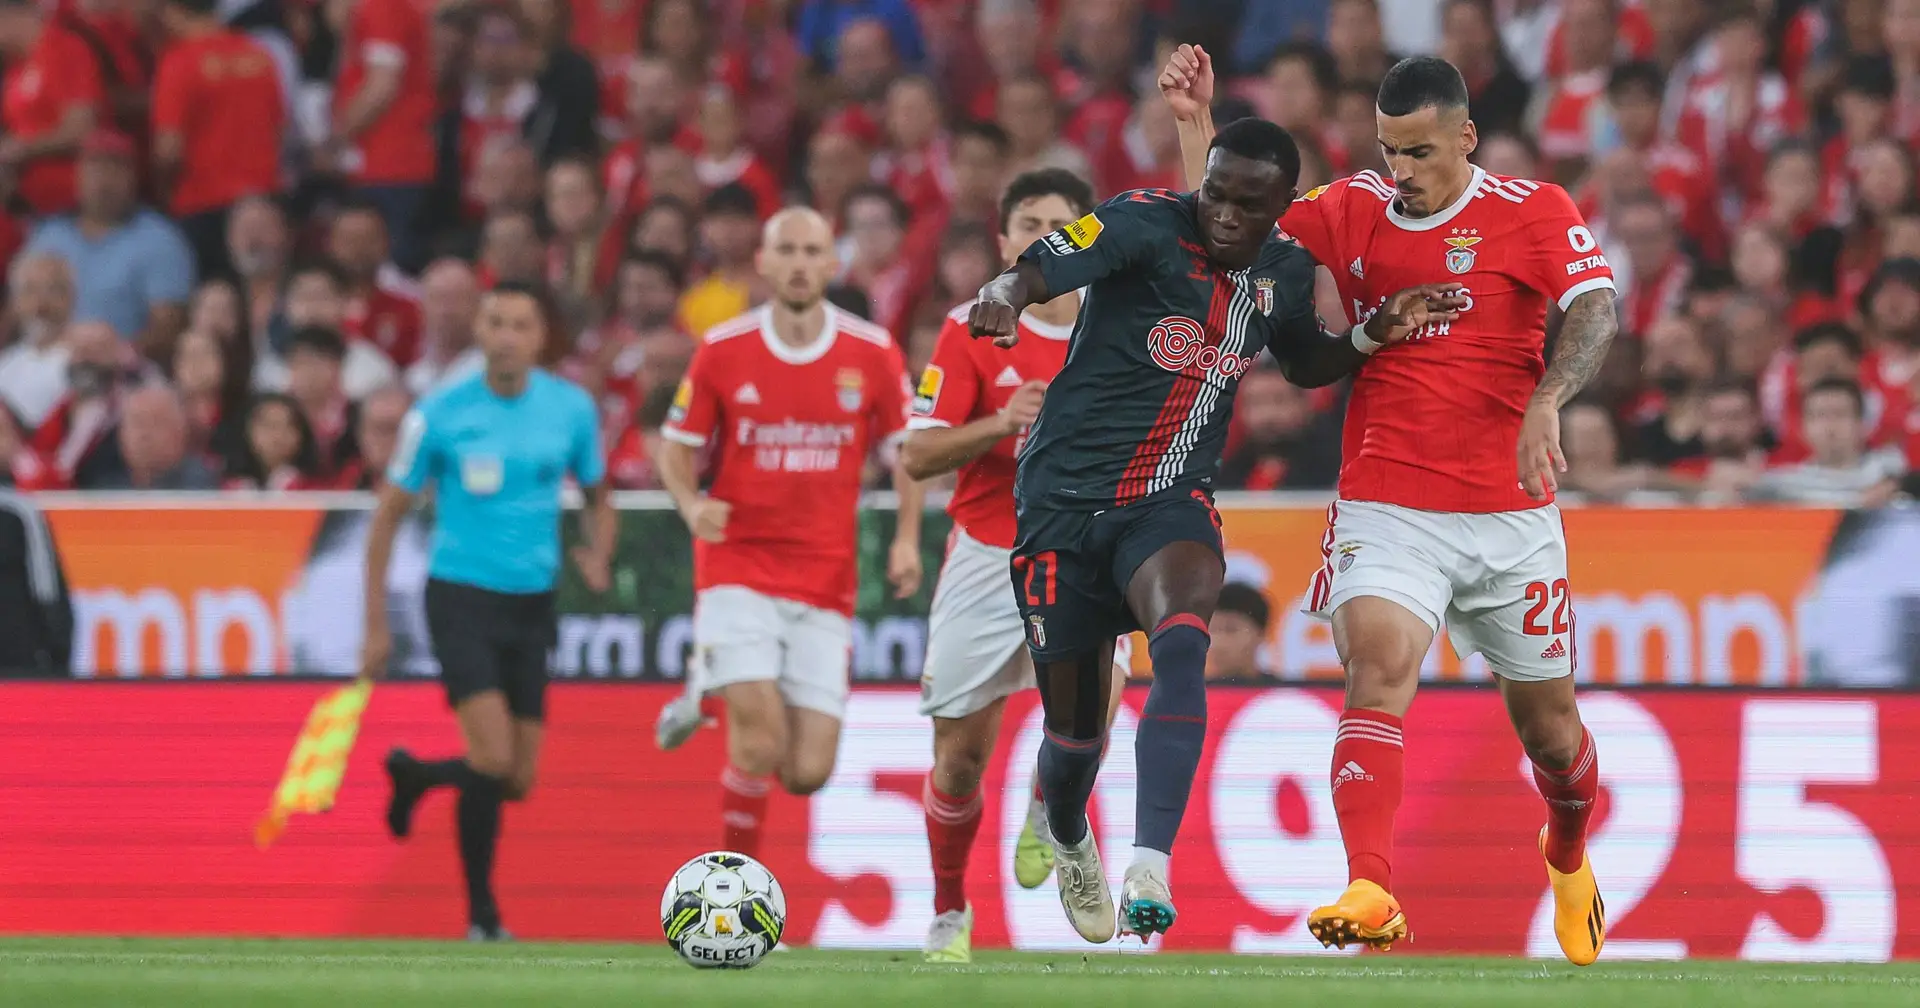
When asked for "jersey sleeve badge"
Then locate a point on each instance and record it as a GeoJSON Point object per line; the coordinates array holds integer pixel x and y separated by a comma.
{"type": "Point", "coordinates": [850, 384]}
{"type": "Point", "coordinates": [682, 401]}
{"type": "Point", "coordinates": [1313, 194]}
{"type": "Point", "coordinates": [928, 394]}
{"type": "Point", "coordinates": [1076, 237]}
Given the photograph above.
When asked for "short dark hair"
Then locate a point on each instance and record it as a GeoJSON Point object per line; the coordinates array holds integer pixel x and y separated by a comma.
{"type": "Point", "coordinates": [902, 214]}
{"type": "Point", "coordinates": [988, 132]}
{"type": "Point", "coordinates": [1829, 332]}
{"type": "Point", "coordinates": [356, 205]}
{"type": "Point", "coordinates": [1870, 76]}
{"type": "Point", "coordinates": [1637, 75]}
{"type": "Point", "coordinates": [320, 267]}
{"type": "Point", "coordinates": [1319, 62]}
{"type": "Point", "coordinates": [1045, 182]}
{"type": "Point", "coordinates": [1844, 386]}
{"type": "Point", "coordinates": [732, 200]}
{"type": "Point", "coordinates": [1418, 82]}
{"type": "Point", "coordinates": [659, 261]}
{"type": "Point", "coordinates": [1245, 599]}
{"type": "Point", "coordinates": [1733, 386]}
{"type": "Point", "coordinates": [557, 343]}
{"type": "Point", "coordinates": [1260, 140]}
{"type": "Point", "coordinates": [200, 7]}
{"type": "Point", "coordinates": [319, 339]}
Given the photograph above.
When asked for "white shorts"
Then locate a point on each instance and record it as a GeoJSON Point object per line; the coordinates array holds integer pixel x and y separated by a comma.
{"type": "Point", "coordinates": [976, 644]}
{"type": "Point", "coordinates": [741, 635]}
{"type": "Point", "coordinates": [1498, 579]}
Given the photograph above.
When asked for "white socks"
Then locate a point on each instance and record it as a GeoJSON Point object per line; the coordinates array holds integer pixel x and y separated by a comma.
{"type": "Point", "coordinates": [1147, 857]}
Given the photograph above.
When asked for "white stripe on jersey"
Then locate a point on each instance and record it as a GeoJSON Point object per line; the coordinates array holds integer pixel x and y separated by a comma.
{"type": "Point", "coordinates": [1239, 312]}
{"type": "Point", "coordinates": [1373, 183]}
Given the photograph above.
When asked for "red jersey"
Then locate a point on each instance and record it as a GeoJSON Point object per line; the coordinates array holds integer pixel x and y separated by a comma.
{"type": "Point", "coordinates": [398, 148]}
{"type": "Point", "coordinates": [220, 92]}
{"type": "Point", "coordinates": [58, 74]}
{"type": "Point", "coordinates": [969, 379]}
{"type": "Point", "coordinates": [387, 320]}
{"type": "Point", "coordinates": [1433, 422]}
{"type": "Point", "coordinates": [795, 426]}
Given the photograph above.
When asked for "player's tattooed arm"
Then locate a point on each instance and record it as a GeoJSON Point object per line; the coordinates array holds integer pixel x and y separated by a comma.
{"type": "Point", "coordinates": [1585, 334]}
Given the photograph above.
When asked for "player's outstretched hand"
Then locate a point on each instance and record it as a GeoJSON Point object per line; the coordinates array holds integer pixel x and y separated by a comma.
{"type": "Point", "coordinates": [376, 646]}
{"type": "Point", "coordinates": [596, 569]}
{"type": "Point", "coordinates": [996, 319]}
{"type": "Point", "coordinates": [1408, 311]}
{"type": "Point", "coordinates": [1541, 460]}
{"type": "Point", "coordinates": [1187, 82]}
{"type": "Point", "coordinates": [1023, 407]}
{"type": "Point", "coordinates": [708, 520]}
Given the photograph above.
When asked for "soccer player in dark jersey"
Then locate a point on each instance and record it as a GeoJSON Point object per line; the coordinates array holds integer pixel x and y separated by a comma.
{"type": "Point", "coordinates": [1116, 526]}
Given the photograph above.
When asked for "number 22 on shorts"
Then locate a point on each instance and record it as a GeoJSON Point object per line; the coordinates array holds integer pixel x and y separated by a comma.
{"type": "Point", "coordinates": [1539, 595]}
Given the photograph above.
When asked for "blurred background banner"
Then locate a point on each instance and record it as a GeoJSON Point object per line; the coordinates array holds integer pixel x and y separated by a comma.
{"type": "Point", "coordinates": [1734, 823]}
{"type": "Point", "coordinates": [1757, 597]}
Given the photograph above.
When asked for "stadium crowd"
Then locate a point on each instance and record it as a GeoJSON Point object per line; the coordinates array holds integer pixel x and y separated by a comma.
{"type": "Point", "coordinates": [241, 236]}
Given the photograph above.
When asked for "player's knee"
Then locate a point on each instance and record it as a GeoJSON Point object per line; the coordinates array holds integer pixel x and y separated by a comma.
{"type": "Point", "coordinates": [1551, 740]}
{"type": "Point", "coordinates": [519, 787]}
{"type": "Point", "coordinates": [960, 759]}
{"type": "Point", "coordinates": [1376, 680]}
{"type": "Point", "coordinates": [801, 780]}
{"type": "Point", "coordinates": [491, 761]}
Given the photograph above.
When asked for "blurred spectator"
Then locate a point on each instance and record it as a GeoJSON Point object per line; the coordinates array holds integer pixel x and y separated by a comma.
{"type": "Point", "coordinates": [729, 235]}
{"type": "Point", "coordinates": [1592, 446]}
{"type": "Point", "coordinates": [1645, 253]}
{"type": "Point", "coordinates": [376, 432]}
{"type": "Point", "coordinates": [259, 247]}
{"type": "Point", "coordinates": [511, 250]}
{"type": "Point", "coordinates": [383, 113]}
{"type": "Point", "coordinates": [1884, 176]}
{"type": "Point", "coordinates": [1470, 40]}
{"type": "Point", "coordinates": [1012, 39]}
{"type": "Point", "coordinates": [1297, 91]}
{"type": "Point", "coordinates": [630, 462]}
{"type": "Point", "coordinates": [1101, 41]}
{"type": "Point", "coordinates": [824, 29]}
{"type": "Point", "coordinates": [1863, 109]}
{"type": "Point", "coordinates": [1145, 152]}
{"type": "Point", "coordinates": [21, 467]}
{"type": "Point", "coordinates": [1358, 144]}
{"type": "Point", "coordinates": [565, 120]}
{"type": "Point", "coordinates": [1355, 39]}
{"type": "Point", "coordinates": [1283, 445]}
{"type": "Point", "coordinates": [865, 61]}
{"type": "Point", "coordinates": [1754, 337]}
{"type": "Point", "coordinates": [579, 261]}
{"type": "Point", "coordinates": [838, 162]}
{"type": "Point", "coordinates": [876, 228]}
{"type": "Point", "coordinates": [449, 303]}
{"type": "Point", "coordinates": [1732, 456]}
{"type": "Point", "coordinates": [218, 120]}
{"type": "Point", "coordinates": [655, 100]}
{"type": "Point", "coordinates": [1031, 118]}
{"type": "Point", "coordinates": [316, 298]}
{"type": "Point", "coordinates": [1890, 314]}
{"type": "Point", "coordinates": [1509, 154]}
{"type": "Point", "coordinates": [1840, 471]}
{"type": "Point", "coordinates": [978, 162]}
{"type": "Point", "coordinates": [1678, 367]}
{"type": "Point", "coordinates": [666, 226]}
{"type": "Point", "coordinates": [152, 454]}
{"type": "Point", "coordinates": [1586, 32]}
{"type": "Point", "coordinates": [53, 97]}
{"type": "Point", "coordinates": [914, 162]}
{"type": "Point", "coordinates": [101, 367]}
{"type": "Point", "coordinates": [33, 370]}
{"type": "Point", "coordinates": [1734, 118]}
{"type": "Point", "coordinates": [214, 404]}
{"type": "Point", "coordinates": [726, 158]}
{"type": "Point", "coordinates": [279, 452]}
{"type": "Point", "coordinates": [315, 361]}
{"type": "Point", "coordinates": [1238, 628]}
{"type": "Point", "coordinates": [132, 269]}
{"type": "Point", "coordinates": [1677, 174]}
{"type": "Point", "coordinates": [380, 307]}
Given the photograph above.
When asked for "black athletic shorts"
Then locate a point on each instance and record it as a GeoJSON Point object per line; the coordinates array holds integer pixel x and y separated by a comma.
{"type": "Point", "coordinates": [488, 640]}
{"type": "Point", "coordinates": [1071, 568]}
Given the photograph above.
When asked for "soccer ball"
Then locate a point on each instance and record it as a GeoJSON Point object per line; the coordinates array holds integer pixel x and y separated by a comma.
{"type": "Point", "coordinates": [723, 911]}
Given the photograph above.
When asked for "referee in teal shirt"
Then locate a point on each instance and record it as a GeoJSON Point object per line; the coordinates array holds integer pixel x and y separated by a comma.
{"type": "Point", "coordinates": [494, 451]}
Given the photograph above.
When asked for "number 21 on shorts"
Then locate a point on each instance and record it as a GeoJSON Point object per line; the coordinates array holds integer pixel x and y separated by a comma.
{"type": "Point", "coordinates": [1540, 595]}
{"type": "Point", "coordinates": [1037, 577]}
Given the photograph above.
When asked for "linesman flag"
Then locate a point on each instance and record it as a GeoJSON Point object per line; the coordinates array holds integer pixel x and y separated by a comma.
{"type": "Point", "coordinates": [318, 761]}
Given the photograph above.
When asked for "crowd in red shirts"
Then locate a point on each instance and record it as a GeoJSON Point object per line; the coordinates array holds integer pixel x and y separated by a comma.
{"type": "Point", "coordinates": [259, 229]}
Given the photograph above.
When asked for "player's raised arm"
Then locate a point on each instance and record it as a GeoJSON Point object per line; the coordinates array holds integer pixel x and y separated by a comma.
{"type": "Point", "coordinates": [1187, 84]}
{"type": "Point", "coordinates": [1118, 233]}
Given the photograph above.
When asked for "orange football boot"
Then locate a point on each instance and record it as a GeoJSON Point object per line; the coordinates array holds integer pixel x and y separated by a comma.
{"type": "Point", "coordinates": [1579, 914]}
{"type": "Point", "coordinates": [1365, 913]}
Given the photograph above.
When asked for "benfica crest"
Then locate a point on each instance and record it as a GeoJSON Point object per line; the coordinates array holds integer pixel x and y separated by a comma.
{"type": "Point", "coordinates": [850, 382]}
{"type": "Point", "coordinates": [1460, 254]}
{"type": "Point", "coordinates": [1263, 295]}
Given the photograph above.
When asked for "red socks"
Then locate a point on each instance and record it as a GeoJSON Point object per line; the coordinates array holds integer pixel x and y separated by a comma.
{"type": "Point", "coordinates": [1367, 761]}
{"type": "Point", "coordinates": [743, 808]}
{"type": "Point", "coordinates": [952, 823]}
{"type": "Point", "coordinates": [1570, 795]}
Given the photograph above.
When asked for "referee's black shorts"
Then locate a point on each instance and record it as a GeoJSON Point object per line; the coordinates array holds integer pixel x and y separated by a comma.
{"type": "Point", "coordinates": [488, 640]}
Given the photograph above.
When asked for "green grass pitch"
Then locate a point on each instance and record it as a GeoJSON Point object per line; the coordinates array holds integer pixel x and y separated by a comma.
{"type": "Point", "coordinates": [78, 973]}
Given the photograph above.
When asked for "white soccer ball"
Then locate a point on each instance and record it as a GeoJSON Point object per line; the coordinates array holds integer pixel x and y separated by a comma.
{"type": "Point", "coordinates": [723, 910]}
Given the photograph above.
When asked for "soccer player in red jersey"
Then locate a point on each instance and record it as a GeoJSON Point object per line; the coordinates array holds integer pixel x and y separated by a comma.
{"type": "Point", "coordinates": [970, 416]}
{"type": "Point", "coordinates": [791, 398]}
{"type": "Point", "coordinates": [1433, 523]}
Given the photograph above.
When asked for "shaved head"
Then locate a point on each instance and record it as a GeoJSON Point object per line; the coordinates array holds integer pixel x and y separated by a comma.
{"type": "Point", "coordinates": [797, 256]}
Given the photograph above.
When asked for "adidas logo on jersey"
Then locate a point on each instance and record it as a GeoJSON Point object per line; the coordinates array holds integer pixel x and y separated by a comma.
{"type": "Point", "coordinates": [1555, 650]}
{"type": "Point", "coordinates": [1009, 378]}
{"type": "Point", "coordinates": [748, 395]}
{"type": "Point", "coordinates": [1351, 772]}
{"type": "Point", "coordinates": [1355, 268]}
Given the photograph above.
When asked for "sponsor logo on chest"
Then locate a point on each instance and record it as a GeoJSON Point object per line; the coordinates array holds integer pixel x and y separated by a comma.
{"type": "Point", "coordinates": [1177, 343]}
{"type": "Point", "coordinates": [794, 446]}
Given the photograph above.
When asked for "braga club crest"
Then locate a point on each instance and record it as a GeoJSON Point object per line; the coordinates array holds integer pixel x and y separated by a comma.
{"type": "Point", "coordinates": [1460, 253]}
{"type": "Point", "coordinates": [1263, 295]}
